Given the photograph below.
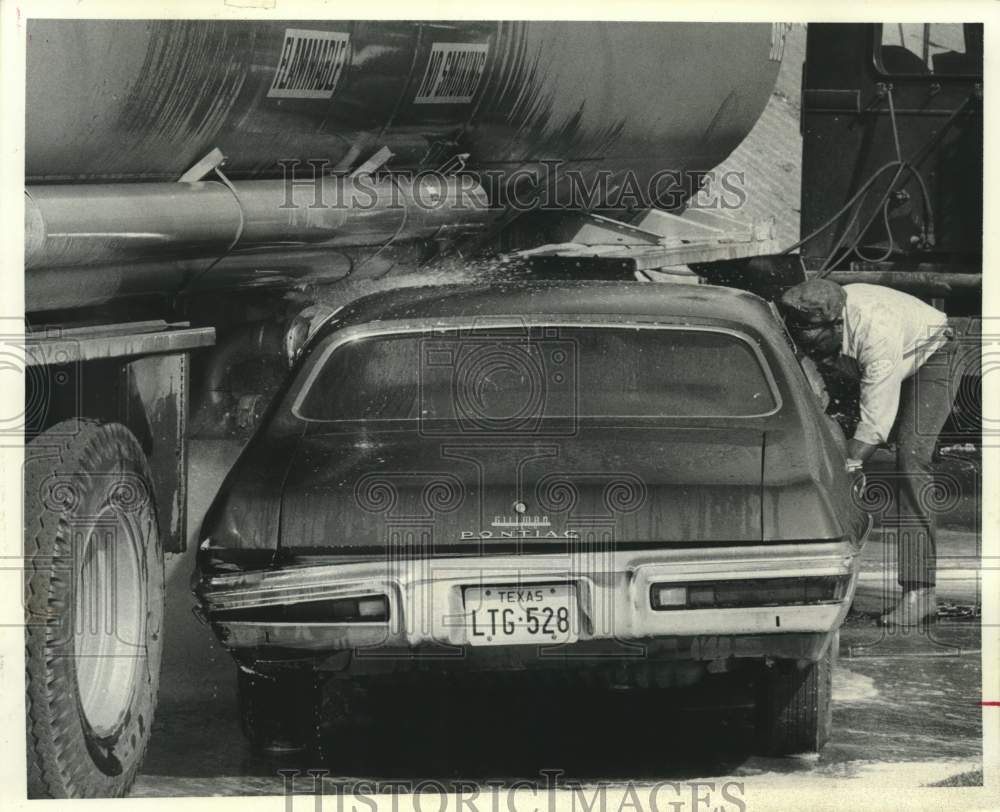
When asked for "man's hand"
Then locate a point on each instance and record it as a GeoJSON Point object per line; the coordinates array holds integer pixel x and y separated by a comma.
{"type": "Point", "coordinates": [858, 450]}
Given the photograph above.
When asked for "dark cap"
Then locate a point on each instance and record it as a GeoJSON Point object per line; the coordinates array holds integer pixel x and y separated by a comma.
{"type": "Point", "coordinates": [815, 301]}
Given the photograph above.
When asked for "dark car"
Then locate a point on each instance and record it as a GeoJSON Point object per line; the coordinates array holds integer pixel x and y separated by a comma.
{"type": "Point", "coordinates": [585, 476]}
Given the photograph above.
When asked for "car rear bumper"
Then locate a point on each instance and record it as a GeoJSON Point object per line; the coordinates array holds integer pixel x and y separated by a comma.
{"type": "Point", "coordinates": [426, 609]}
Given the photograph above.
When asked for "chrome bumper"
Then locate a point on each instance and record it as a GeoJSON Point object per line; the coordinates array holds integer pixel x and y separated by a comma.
{"type": "Point", "coordinates": [426, 598]}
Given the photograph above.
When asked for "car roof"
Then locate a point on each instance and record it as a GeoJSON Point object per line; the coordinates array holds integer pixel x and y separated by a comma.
{"type": "Point", "coordinates": [670, 301]}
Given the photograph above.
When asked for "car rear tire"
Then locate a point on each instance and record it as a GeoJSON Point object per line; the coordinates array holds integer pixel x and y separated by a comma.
{"type": "Point", "coordinates": [794, 711]}
{"type": "Point", "coordinates": [94, 609]}
{"type": "Point", "coordinates": [279, 711]}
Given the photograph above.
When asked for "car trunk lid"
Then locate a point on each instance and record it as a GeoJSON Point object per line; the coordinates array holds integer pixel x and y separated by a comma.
{"type": "Point", "coordinates": [359, 491]}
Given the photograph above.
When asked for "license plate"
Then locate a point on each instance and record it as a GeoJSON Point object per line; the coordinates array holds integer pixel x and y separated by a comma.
{"type": "Point", "coordinates": [512, 615]}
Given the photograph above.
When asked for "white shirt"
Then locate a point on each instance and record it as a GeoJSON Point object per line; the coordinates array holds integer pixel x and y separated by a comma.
{"type": "Point", "coordinates": [890, 334]}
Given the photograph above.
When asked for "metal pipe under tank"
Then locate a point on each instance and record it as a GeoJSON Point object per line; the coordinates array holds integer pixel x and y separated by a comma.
{"type": "Point", "coordinates": [75, 226]}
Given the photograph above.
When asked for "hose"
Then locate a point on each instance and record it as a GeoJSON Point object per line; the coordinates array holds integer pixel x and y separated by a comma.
{"type": "Point", "coordinates": [391, 240]}
{"type": "Point", "coordinates": [888, 230]}
{"type": "Point", "coordinates": [237, 236]}
{"type": "Point", "coordinates": [836, 215]}
{"type": "Point", "coordinates": [830, 263]}
{"type": "Point", "coordinates": [883, 203]}
{"type": "Point", "coordinates": [882, 206]}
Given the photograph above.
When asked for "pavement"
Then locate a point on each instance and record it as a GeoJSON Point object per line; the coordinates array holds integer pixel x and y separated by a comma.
{"type": "Point", "coordinates": [906, 706]}
{"type": "Point", "coordinates": [906, 714]}
{"type": "Point", "coordinates": [959, 587]}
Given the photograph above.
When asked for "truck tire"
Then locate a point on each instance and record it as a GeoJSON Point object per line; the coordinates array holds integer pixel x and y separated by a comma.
{"type": "Point", "coordinates": [94, 609]}
{"type": "Point", "coordinates": [279, 711]}
{"type": "Point", "coordinates": [794, 712]}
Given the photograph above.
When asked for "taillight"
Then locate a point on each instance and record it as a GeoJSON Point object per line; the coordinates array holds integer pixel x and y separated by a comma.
{"type": "Point", "coordinates": [376, 608]}
{"type": "Point", "coordinates": [669, 597]}
{"type": "Point", "coordinates": [748, 593]}
{"type": "Point", "coordinates": [346, 610]}
{"type": "Point", "coordinates": [366, 609]}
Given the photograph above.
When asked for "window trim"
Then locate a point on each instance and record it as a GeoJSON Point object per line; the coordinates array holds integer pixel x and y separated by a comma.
{"type": "Point", "coordinates": [452, 324]}
{"type": "Point", "coordinates": [880, 69]}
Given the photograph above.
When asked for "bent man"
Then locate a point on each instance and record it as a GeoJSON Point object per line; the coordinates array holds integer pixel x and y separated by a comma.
{"type": "Point", "coordinates": [899, 349]}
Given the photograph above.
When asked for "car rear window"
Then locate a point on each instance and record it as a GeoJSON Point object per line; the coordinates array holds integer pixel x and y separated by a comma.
{"type": "Point", "coordinates": [501, 377]}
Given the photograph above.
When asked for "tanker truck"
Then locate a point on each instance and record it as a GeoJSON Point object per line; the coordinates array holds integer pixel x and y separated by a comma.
{"type": "Point", "coordinates": [194, 188]}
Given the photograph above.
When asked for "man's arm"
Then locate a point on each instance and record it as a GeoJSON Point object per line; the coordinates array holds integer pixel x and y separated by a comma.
{"type": "Point", "coordinates": [859, 450]}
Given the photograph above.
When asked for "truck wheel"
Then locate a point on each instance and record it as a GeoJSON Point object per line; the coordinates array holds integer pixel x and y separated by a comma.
{"type": "Point", "coordinates": [794, 712]}
{"type": "Point", "coordinates": [279, 712]}
{"type": "Point", "coordinates": [94, 608]}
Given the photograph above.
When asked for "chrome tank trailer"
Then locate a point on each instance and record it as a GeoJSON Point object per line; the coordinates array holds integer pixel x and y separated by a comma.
{"type": "Point", "coordinates": [118, 112]}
